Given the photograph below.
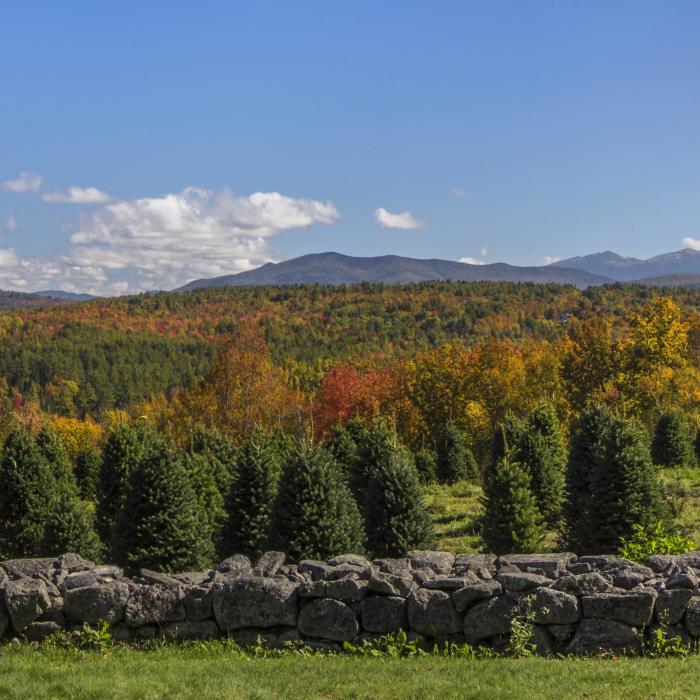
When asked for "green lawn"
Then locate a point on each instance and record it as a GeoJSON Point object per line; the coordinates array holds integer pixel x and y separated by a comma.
{"type": "Point", "coordinates": [175, 672]}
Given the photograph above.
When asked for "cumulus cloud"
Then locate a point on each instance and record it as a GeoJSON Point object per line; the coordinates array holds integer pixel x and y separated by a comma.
{"type": "Point", "coordinates": [77, 195]}
{"type": "Point", "coordinates": [693, 243]}
{"type": "Point", "coordinates": [471, 261]}
{"type": "Point", "coordinates": [550, 259]}
{"type": "Point", "coordinates": [404, 220]}
{"type": "Point", "coordinates": [163, 242]}
{"type": "Point", "coordinates": [11, 223]}
{"type": "Point", "coordinates": [24, 182]}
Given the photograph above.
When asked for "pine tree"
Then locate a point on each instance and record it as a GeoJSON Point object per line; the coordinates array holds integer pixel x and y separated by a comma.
{"type": "Point", "coordinates": [26, 496]}
{"type": "Point", "coordinates": [396, 517]}
{"type": "Point", "coordinates": [202, 471]}
{"type": "Point", "coordinates": [159, 524]}
{"type": "Point", "coordinates": [375, 446]}
{"type": "Point", "coordinates": [542, 455]}
{"type": "Point", "coordinates": [511, 523]}
{"type": "Point", "coordinates": [587, 455]}
{"type": "Point", "coordinates": [611, 482]}
{"type": "Point", "coordinates": [426, 465]}
{"type": "Point", "coordinates": [455, 461]}
{"type": "Point", "coordinates": [124, 448]}
{"type": "Point", "coordinates": [249, 503]}
{"type": "Point", "coordinates": [314, 515]}
{"type": "Point", "coordinates": [672, 444]}
{"type": "Point", "coordinates": [624, 488]}
{"type": "Point", "coordinates": [69, 526]}
{"type": "Point", "coordinates": [220, 452]}
{"type": "Point", "coordinates": [507, 439]}
{"type": "Point", "coordinates": [87, 473]}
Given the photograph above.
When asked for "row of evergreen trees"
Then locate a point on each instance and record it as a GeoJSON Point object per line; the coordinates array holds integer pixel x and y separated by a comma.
{"type": "Point", "coordinates": [593, 497]}
{"type": "Point", "coordinates": [143, 503]}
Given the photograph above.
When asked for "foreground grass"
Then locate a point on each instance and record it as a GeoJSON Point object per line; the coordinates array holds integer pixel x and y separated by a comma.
{"type": "Point", "coordinates": [186, 672]}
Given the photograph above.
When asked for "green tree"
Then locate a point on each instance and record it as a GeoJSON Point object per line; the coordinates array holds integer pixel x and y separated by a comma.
{"type": "Point", "coordinates": [69, 526]}
{"type": "Point", "coordinates": [507, 438]}
{"type": "Point", "coordinates": [625, 490]}
{"type": "Point", "coordinates": [202, 471]}
{"type": "Point", "coordinates": [26, 496]}
{"type": "Point", "coordinates": [426, 465]}
{"type": "Point", "coordinates": [396, 517]}
{"type": "Point", "coordinates": [511, 522]}
{"type": "Point", "coordinates": [249, 503]}
{"type": "Point", "coordinates": [542, 454]}
{"type": "Point", "coordinates": [672, 445]}
{"type": "Point", "coordinates": [612, 483]}
{"type": "Point", "coordinates": [87, 473]}
{"type": "Point", "coordinates": [124, 448]}
{"type": "Point", "coordinates": [455, 461]}
{"type": "Point", "coordinates": [315, 515]}
{"type": "Point", "coordinates": [159, 525]}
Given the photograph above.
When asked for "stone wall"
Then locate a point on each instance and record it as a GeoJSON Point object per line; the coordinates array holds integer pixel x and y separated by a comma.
{"type": "Point", "coordinates": [578, 605]}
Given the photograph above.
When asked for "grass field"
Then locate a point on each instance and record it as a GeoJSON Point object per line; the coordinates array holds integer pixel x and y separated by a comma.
{"type": "Point", "coordinates": [456, 510]}
{"type": "Point", "coordinates": [175, 672]}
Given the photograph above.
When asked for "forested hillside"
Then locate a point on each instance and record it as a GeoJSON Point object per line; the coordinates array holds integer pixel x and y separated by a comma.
{"type": "Point", "coordinates": [86, 358]}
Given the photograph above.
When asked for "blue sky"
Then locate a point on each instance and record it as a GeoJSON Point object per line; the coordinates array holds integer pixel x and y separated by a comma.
{"type": "Point", "coordinates": [204, 138]}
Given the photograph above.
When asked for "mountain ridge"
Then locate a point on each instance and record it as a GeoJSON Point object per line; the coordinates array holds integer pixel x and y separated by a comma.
{"type": "Point", "coordinates": [335, 268]}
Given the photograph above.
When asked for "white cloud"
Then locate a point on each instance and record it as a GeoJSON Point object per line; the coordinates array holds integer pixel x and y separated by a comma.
{"type": "Point", "coordinates": [462, 194]}
{"type": "Point", "coordinates": [471, 261]}
{"type": "Point", "coordinates": [404, 220]}
{"type": "Point", "coordinates": [163, 242]}
{"type": "Point", "coordinates": [24, 182]}
{"type": "Point", "coordinates": [77, 195]}
{"type": "Point", "coordinates": [11, 223]}
{"type": "Point", "coordinates": [484, 251]}
{"type": "Point", "coordinates": [550, 259]}
{"type": "Point", "coordinates": [693, 243]}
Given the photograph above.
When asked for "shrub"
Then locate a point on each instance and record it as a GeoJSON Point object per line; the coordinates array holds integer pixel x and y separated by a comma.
{"type": "Point", "coordinates": [511, 521]}
{"type": "Point", "coordinates": [396, 518]}
{"type": "Point", "coordinates": [315, 515]}
{"type": "Point", "coordinates": [672, 444]}
{"type": "Point", "coordinates": [159, 525]}
{"type": "Point", "coordinates": [251, 497]}
{"type": "Point", "coordinates": [655, 538]}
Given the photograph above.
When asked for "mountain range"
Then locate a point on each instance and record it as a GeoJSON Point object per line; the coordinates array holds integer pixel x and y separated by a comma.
{"type": "Point", "coordinates": [670, 269]}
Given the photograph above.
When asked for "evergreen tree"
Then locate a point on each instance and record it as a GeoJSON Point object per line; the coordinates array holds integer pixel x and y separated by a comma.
{"type": "Point", "coordinates": [343, 443]}
{"type": "Point", "coordinates": [202, 470]}
{"type": "Point", "coordinates": [396, 517]}
{"type": "Point", "coordinates": [375, 446]}
{"type": "Point", "coordinates": [511, 522]}
{"type": "Point", "coordinates": [87, 473]}
{"type": "Point", "coordinates": [249, 503]}
{"type": "Point", "coordinates": [426, 465]}
{"type": "Point", "coordinates": [69, 526]}
{"type": "Point", "coordinates": [672, 444]}
{"type": "Point", "coordinates": [159, 525]}
{"type": "Point", "coordinates": [314, 514]}
{"type": "Point", "coordinates": [587, 456]}
{"type": "Point", "coordinates": [26, 496]}
{"type": "Point", "coordinates": [625, 490]}
{"type": "Point", "coordinates": [124, 448]}
{"type": "Point", "coordinates": [611, 482]}
{"type": "Point", "coordinates": [455, 461]}
{"type": "Point", "coordinates": [507, 439]}
{"type": "Point", "coordinates": [542, 455]}
{"type": "Point", "coordinates": [220, 452]}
